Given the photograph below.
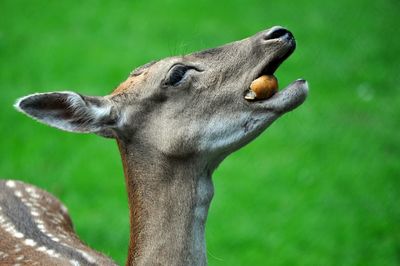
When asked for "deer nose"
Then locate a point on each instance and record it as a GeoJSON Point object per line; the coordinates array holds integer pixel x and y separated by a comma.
{"type": "Point", "coordinates": [277, 32]}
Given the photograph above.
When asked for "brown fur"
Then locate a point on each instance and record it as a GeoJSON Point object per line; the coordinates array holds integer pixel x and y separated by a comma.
{"type": "Point", "coordinates": [135, 208]}
{"type": "Point", "coordinates": [127, 85]}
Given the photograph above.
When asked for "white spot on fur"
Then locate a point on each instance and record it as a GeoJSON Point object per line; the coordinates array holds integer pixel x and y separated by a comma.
{"type": "Point", "coordinates": [86, 256]}
{"type": "Point", "coordinates": [19, 235]}
{"type": "Point", "coordinates": [29, 242]}
{"type": "Point", "coordinates": [19, 258]}
{"type": "Point", "coordinates": [74, 263]}
{"type": "Point", "coordinates": [10, 228]}
{"type": "Point", "coordinates": [29, 189]}
{"type": "Point", "coordinates": [35, 195]}
{"type": "Point", "coordinates": [64, 209]}
{"type": "Point", "coordinates": [51, 252]}
{"type": "Point", "coordinates": [28, 204]}
{"type": "Point", "coordinates": [18, 193]}
{"type": "Point", "coordinates": [10, 184]}
{"type": "Point", "coordinates": [41, 226]}
{"type": "Point", "coordinates": [41, 249]}
{"type": "Point", "coordinates": [34, 213]}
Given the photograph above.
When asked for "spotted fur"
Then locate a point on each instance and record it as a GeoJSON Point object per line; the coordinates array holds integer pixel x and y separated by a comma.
{"type": "Point", "coordinates": [36, 230]}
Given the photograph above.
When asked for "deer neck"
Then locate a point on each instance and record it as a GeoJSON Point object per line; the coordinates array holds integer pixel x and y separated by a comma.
{"type": "Point", "coordinates": [168, 201]}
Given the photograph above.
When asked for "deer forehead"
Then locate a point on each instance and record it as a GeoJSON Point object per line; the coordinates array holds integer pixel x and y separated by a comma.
{"type": "Point", "coordinates": [139, 76]}
{"type": "Point", "coordinates": [129, 84]}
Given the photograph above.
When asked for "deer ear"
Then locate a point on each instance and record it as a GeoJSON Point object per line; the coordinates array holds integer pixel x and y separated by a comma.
{"type": "Point", "coordinates": [71, 112]}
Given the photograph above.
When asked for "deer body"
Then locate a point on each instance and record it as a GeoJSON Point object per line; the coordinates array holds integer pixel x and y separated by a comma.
{"type": "Point", "coordinates": [36, 229]}
{"type": "Point", "coordinates": [174, 121]}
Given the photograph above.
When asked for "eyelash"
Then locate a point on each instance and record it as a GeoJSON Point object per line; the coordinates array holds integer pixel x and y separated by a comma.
{"type": "Point", "coordinates": [178, 73]}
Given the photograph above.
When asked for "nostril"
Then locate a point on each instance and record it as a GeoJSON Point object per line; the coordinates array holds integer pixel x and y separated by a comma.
{"type": "Point", "coordinates": [276, 34]}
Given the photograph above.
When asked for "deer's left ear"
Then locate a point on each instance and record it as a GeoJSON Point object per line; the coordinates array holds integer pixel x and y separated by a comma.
{"type": "Point", "coordinates": [71, 112]}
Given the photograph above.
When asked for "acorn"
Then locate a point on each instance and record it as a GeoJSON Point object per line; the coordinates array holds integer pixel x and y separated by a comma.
{"type": "Point", "coordinates": [262, 88]}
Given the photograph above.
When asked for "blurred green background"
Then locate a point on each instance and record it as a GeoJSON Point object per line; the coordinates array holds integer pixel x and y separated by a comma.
{"type": "Point", "coordinates": [320, 187]}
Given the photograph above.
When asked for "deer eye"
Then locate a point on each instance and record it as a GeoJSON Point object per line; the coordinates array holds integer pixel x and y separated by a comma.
{"type": "Point", "coordinates": [176, 74]}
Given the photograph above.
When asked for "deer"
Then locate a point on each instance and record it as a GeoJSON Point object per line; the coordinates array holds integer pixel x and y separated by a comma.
{"type": "Point", "coordinates": [174, 120]}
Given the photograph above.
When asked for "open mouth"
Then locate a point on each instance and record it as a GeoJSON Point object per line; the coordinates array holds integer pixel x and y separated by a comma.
{"type": "Point", "coordinates": [263, 90]}
{"type": "Point", "coordinates": [265, 84]}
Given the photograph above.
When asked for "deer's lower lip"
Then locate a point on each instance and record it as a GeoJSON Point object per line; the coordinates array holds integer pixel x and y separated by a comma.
{"type": "Point", "coordinates": [284, 100]}
{"type": "Point", "coordinates": [287, 99]}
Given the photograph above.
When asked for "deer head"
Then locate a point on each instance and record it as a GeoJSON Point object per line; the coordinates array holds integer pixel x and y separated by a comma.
{"type": "Point", "coordinates": [183, 105]}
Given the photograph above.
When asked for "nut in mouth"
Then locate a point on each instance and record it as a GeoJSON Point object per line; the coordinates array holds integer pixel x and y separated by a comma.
{"type": "Point", "coordinates": [265, 84]}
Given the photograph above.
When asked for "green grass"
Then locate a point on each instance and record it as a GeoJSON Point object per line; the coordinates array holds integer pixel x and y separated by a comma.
{"type": "Point", "coordinates": [320, 187]}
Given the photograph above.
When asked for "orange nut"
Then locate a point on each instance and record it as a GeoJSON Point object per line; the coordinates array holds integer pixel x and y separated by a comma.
{"type": "Point", "coordinates": [264, 87]}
